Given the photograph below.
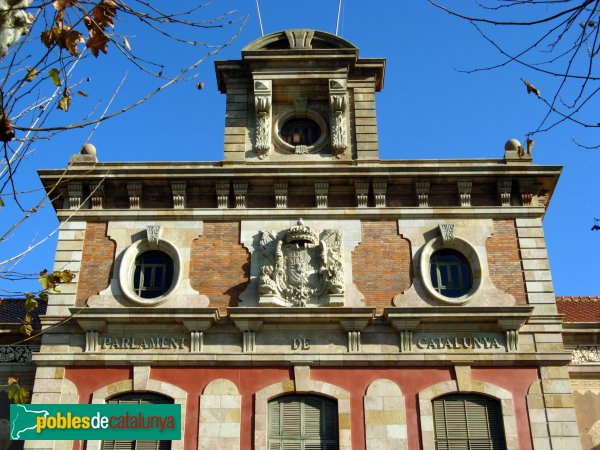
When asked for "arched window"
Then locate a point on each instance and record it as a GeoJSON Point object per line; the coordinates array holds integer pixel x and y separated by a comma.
{"type": "Point", "coordinates": [303, 422]}
{"type": "Point", "coordinates": [153, 274]}
{"type": "Point", "coordinates": [137, 398]}
{"type": "Point", "coordinates": [468, 421]}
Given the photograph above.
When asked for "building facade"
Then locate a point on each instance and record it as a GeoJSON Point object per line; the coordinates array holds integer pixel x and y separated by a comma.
{"type": "Point", "coordinates": [303, 293]}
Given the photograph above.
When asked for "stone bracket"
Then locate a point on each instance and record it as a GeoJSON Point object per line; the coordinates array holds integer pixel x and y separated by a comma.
{"type": "Point", "coordinates": [281, 194]}
{"type": "Point", "coordinates": [240, 190]}
{"type": "Point", "coordinates": [321, 193]}
{"type": "Point", "coordinates": [178, 191]}
{"type": "Point", "coordinates": [361, 189]}
{"type": "Point", "coordinates": [97, 195]}
{"type": "Point", "coordinates": [464, 192]}
{"type": "Point", "coordinates": [75, 195]}
{"type": "Point", "coordinates": [422, 189]}
{"type": "Point", "coordinates": [91, 341]}
{"type": "Point", "coordinates": [134, 190]}
{"type": "Point", "coordinates": [504, 191]}
{"type": "Point", "coordinates": [380, 190]}
{"type": "Point", "coordinates": [222, 188]}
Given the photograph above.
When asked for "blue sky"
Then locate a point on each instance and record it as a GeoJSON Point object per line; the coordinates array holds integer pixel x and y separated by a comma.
{"type": "Point", "coordinates": [427, 109]}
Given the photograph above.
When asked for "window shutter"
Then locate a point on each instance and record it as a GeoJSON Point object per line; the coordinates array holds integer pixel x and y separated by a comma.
{"type": "Point", "coordinates": [298, 422]}
{"type": "Point", "coordinates": [138, 398]}
{"type": "Point", "coordinates": [468, 422]}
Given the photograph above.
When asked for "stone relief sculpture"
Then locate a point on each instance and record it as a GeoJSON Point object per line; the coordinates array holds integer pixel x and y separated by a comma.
{"type": "Point", "coordinates": [338, 125]}
{"type": "Point", "coordinates": [301, 267]}
{"type": "Point", "coordinates": [586, 354]}
{"type": "Point", "coordinates": [263, 126]}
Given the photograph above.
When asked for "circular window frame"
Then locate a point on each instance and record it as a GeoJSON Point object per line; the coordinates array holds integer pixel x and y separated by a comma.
{"type": "Point", "coordinates": [127, 269]}
{"type": "Point", "coordinates": [465, 249]}
{"type": "Point", "coordinates": [309, 114]}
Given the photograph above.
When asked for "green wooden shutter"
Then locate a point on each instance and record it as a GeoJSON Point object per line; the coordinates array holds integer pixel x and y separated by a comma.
{"type": "Point", "coordinates": [138, 398]}
{"type": "Point", "coordinates": [468, 422]}
{"type": "Point", "coordinates": [303, 422]}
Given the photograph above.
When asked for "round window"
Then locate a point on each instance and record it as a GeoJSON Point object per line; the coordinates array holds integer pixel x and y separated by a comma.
{"type": "Point", "coordinates": [300, 131]}
{"type": "Point", "coordinates": [153, 274]}
{"type": "Point", "coordinates": [450, 273]}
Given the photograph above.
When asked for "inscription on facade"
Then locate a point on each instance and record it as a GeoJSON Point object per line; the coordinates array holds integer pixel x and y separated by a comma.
{"type": "Point", "coordinates": [301, 343]}
{"type": "Point", "coordinates": [458, 343]}
{"type": "Point", "coordinates": [143, 343]}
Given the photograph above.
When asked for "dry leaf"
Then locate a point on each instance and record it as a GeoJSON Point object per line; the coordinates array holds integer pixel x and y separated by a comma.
{"type": "Point", "coordinates": [531, 88]}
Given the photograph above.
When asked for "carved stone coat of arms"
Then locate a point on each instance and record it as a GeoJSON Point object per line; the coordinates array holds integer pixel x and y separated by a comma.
{"type": "Point", "coordinates": [301, 267]}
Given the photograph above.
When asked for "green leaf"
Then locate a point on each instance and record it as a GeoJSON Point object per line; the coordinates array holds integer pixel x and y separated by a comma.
{"type": "Point", "coordinates": [31, 74]}
{"type": "Point", "coordinates": [17, 394]}
{"type": "Point", "coordinates": [26, 329]}
{"type": "Point", "coordinates": [55, 76]}
{"type": "Point", "coordinates": [43, 296]}
{"type": "Point", "coordinates": [1, 202]}
{"type": "Point", "coordinates": [31, 304]}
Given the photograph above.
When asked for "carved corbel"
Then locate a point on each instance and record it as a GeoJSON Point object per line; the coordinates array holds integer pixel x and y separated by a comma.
{"type": "Point", "coordinates": [321, 193]}
{"type": "Point", "coordinates": [262, 105]}
{"type": "Point", "coordinates": [75, 194]}
{"type": "Point", "coordinates": [281, 194]}
{"type": "Point", "coordinates": [97, 195]}
{"type": "Point", "coordinates": [222, 188]}
{"type": "Point", "coordinates": [134, 190]}
{"type": "Point", "coordinates": [422, 187]}
{"type": "Point", "coordinates": [354, 327]}
{"type": "Point", "coordinates": [464, 192]}
{"type": "Point", "coordinates": [526, 189]}
{"type": "Point", "coordinates": [380, 190]}
{"type": "Point", "coordinates": [178, 191]}
{"type": "Point", "coordinates": [361, 188]}
{"type": "Point", "coordinates": [447, 232]}
{"type": "Point", "coordinates": [338, 100]}
{"type": "Point", "coordinates": [504, 191]}
{"type": "Point", "coordinates": [240, 189]}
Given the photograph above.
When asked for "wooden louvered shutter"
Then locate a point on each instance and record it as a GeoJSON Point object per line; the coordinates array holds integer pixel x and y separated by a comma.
{"type": "Point", "coordinates": [137, 398]}
{"type": "Point", "coordinates": [468, 422]}
{"type": "Point", "coordinates": [299, 422]}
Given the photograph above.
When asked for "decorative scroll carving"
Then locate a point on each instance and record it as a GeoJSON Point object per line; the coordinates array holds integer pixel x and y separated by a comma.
{"type": "Point", "coordinates": [361, 188]}
{"type": "Point", "coordinates": [75, 194]}
{"type": "Point", "coordinates": [301, 267]}
{"type": "Point", "coordinates": [447, 232]}
{"type": "Point", "coordinates": [153, 233]}
{"type": "Point", "coordinates": [15, 354]}
{"type": "Point", "coordinates": [586, 354]}
{"type": "Point", "coordinates": [464, 192]}
{"type": "Point", "coordinates": [281, 194]}
{"type": "Point", "coordinates": [300, 38]}
{"type": "Point", "coordinates": [337, 108]}
{"type": "Point", "coordinates": [321, 193]}
{"type": "Point", "coordinates": [302, 149]}
{"type": "Point", "coordinates": [222, 188]}
{"type": "Point", "coordinates": [240, 189]}
{"type": "Point", "coordinates": [178, 191]}
{"type": "Point", "coordinates": [97, 195]}
{"type": "Point", "coordinates": [380, 190]}
{"type": "Point", "coordinates": [422, 187]}
{"type": "Point", "coordinates": [134, 190]}
{"type": "Point", "coordinates": [504, 190]}
{"type": "Point", "coordinates": [262, 105]}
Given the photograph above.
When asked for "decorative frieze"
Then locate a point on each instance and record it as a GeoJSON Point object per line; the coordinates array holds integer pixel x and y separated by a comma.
{"type": "Point", "coordinates": [464, 192]}
{"type": "Point", "coordinates": [380, 191]}
{"type": "Point", "coordinates": [337, 109]}
{"type": "Point", "coordinates": [281, 194]}
{"type": "Point", "coordinates": [75, 195]}
{"type": "Point", "coordinates": [240, 189]}
{"type": "Point", "coordinates": [422, 188]}
{"type": "Point", "coordinates": [134, 190]}
{"type": "Point", "coordinates": [321, 193]}
{"type": "Point", "coordinates": [526, 189]}
{"type": "Point", "coordinates": [504, 191]}
{"type": "Point", "coordinates": [262, 105]}
{"type": "Point", "coordinates": [20, 354]}
{"type": "Point", "coordinates": [586, 354]}
{"type": "Point", "coordinates": [361, 188]}
{"type": "Point", "coordinates": [178, 190]}
{"type": "Point", "coordinates": [97, 195]}
{"type": "Point", "coordinates": [222, 188]}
